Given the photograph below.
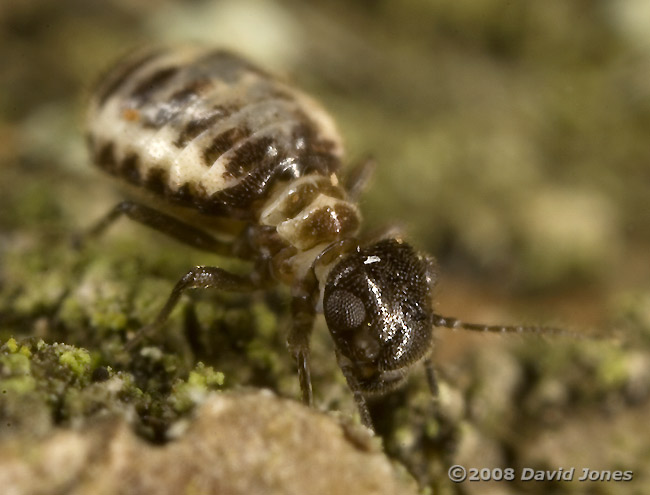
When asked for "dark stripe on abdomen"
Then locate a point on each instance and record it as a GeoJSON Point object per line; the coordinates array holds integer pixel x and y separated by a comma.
{"type": "Point", "coordinates": [144, 90]}
{"type": "Point", "coordinates": [123, 75]}
{"type": "Point", "coordinates": [223, 143]}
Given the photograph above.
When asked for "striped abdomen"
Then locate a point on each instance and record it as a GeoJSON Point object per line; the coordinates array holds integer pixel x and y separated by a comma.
{"type": "Point", "coordinates": [208, 130]}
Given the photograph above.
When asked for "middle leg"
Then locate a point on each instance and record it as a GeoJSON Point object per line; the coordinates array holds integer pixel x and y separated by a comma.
{"type": "Point", "coordinates": [303, 316]}
{"type": "Point", "coordinates": [199, 277]}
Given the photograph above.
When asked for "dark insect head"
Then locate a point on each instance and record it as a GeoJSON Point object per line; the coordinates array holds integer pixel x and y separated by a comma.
{"type": "Point", "coordinates": [378, 307]}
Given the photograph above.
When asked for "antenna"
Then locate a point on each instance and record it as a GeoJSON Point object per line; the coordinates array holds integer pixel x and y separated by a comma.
{"type": "Point", "coordinates": [454, 323]}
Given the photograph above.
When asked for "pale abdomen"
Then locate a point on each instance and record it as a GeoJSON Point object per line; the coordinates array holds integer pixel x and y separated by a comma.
{"type": "Point", "coordinates": [208, 130]}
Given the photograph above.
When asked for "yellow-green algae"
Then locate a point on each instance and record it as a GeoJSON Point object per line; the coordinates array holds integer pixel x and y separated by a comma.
{"type": "Point", "coordinates": [188, 393]}
{"type": "Point", "coordinates": [77, 360]}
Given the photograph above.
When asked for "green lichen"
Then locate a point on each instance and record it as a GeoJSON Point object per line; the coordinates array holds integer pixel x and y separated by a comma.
{"type": "Point", "coordinates": [15, 369]}
{"type": "Point", "coordinates": [77, 360]}
{"type": "Point", "coordinates": [70, 385]}
{"type": "Point", "coordinates": [188, 393]}
{"type": "Point", "coordinates": [15, 364]}
{"type": "Point", "coordinates": [205, 376]}
{"type": "Point", "coordinates": [20, 385]}
{"type": "Point", "coordinates": [11, 345]}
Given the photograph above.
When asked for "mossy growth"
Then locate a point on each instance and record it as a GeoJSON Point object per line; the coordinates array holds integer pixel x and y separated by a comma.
{"type": "Point", "coordinates": [95, 300]}
{"type": "Point", "coordinates": [47, 384]}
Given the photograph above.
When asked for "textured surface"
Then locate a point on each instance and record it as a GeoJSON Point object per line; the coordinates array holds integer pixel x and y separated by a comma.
{"type": "Point", "coordinates": [235, 444]}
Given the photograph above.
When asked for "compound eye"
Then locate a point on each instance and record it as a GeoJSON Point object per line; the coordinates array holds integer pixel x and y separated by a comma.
{"type": "Point", "coordinates": [344, 311]}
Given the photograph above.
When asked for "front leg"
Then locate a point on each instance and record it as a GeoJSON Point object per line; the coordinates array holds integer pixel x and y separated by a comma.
{"type": "Point", "coordinates": [432, 381]}
{"type": "Point", "coordinates": [303, 316]}
{"type": "Point", "coordinates": [199, 277]}
{"type": "Point", "coordinates": [353, 384]}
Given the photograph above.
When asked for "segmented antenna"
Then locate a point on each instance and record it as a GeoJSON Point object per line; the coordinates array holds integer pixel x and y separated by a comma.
{"type": "Point", "coordinates": [454, 323]}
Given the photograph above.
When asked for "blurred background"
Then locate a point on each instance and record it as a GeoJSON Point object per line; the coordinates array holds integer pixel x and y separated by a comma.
{"type": "Point", "coordinates": [511, 137]}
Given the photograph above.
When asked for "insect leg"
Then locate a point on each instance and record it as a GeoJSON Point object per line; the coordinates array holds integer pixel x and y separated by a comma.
{"type": "Point", "coordinates": [430, 372]}
{"type": "Point", "coordinates": [353, 383]}
{"type": "Point", "coordinates": [199, 277]}
{"type": "Point", "coordinates": [303, 316]}
{"type": "Point", "coordinates": [161, 222]}
{"type": "Point", "coordinates": [359, 177]}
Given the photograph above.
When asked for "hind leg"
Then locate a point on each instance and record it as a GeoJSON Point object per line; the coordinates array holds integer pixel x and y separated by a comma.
{"type": "Point", "coordinates": [168, 225]}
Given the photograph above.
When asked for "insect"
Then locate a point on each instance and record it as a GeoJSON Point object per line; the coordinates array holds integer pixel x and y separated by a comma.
{"type": "Point", "coordinates": [228, 159]}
